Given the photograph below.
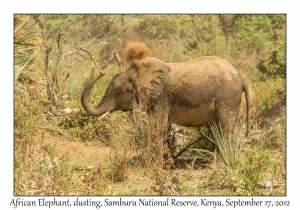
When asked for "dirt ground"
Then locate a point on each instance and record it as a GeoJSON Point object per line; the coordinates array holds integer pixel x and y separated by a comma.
{"type": "Point", "coordinates": [137, 181]}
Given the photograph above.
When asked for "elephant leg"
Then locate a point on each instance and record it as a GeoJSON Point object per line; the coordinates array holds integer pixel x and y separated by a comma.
{"type": "Point", "coordinates": [157, 136]}
{"type": "Point", "coordinates": [227, 120]}
{"type": "Point", "coordinates": [159, 125]}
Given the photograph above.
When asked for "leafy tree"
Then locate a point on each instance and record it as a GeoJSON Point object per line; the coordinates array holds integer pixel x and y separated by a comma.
{"type": "Point", "coordinates": [254, 32]}
{"type": "Point", "coordinates": [274, 65]}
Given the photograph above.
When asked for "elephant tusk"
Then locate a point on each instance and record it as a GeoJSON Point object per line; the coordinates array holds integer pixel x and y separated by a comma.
{"type": "Point", "coordinates": [106, 113]}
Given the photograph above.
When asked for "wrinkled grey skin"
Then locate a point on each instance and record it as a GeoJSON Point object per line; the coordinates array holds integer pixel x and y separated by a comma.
{"type": "Point", "coordinates": [118, 95]}
{"type": "Point", "coordinates": [188, 94]}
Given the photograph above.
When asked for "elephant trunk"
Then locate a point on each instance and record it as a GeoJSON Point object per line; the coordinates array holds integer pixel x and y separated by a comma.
{"type": "Point", "coordinates": [100, 109]}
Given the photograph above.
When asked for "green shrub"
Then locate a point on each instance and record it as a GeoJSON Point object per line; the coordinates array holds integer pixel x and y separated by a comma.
{"type": "Point", "coordinates": [269, 93]}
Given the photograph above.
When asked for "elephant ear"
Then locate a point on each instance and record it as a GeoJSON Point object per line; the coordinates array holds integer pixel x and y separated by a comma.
{"type": "Point", "coordinates": [132, 73]}
{"type": "Point", "coordinates": [152, 79]}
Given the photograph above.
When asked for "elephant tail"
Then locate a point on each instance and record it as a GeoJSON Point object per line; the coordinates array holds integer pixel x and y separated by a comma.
{"type": "Point", "coordinates": [246, 90]}
{"type": "Point", "coordinates": [135, 51]}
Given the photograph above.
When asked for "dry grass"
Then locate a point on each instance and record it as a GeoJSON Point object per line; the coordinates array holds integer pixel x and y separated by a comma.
{"type": "Point", "coordinates": [58, 165]}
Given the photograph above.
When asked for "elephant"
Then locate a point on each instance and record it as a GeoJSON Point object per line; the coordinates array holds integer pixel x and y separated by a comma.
{"type": "Point", "coordinates": [188, 94]}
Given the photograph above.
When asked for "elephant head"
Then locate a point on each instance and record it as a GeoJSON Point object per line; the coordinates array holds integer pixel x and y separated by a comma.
{"type": "Point", "coordinates": [150, 80]}
{"type": "Point", "coordinates": [145, 84]}
{"type": "Point", "coordinates": [118, 95]}
{"type": "Point", "coordinates": [151, 77]}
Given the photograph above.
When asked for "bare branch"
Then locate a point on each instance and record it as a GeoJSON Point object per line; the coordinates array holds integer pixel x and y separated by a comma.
{"type": "Point", "coordinates": [118, 58]}
{"type": "Point", "coordinates": [90, 54]}
{"type": "Point", "coordinates": [84, 56]}
{"type": "Point", "coordinates": [186, 148]}
{"type": "Point", "coordinates": [71, 53]}
{"type": "Point", "coordinates": [113, 54]}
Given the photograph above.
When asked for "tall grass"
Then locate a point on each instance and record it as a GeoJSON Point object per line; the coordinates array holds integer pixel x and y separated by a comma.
{"type": "Point", "coordinates": [229, 149]}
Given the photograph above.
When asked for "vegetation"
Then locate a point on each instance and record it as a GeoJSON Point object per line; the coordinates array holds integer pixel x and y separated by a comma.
{"type": "Point", "coordinates": [26, 42]}
{"type": "Point", "coordinates": [61, 150]}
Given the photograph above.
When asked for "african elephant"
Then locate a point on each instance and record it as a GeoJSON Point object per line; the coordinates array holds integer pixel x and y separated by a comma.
{"type": "Point", "coordinates": [188, 94]}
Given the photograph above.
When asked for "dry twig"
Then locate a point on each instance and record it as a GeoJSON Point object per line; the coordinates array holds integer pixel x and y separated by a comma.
{"type": "Point", "coordinates": [89, 53]}
{"type": "Point", "coordinates": [79, 48]}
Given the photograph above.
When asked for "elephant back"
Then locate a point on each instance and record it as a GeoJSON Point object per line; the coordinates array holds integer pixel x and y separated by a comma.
{"type": "Point", "coordinates": [207, 68]}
